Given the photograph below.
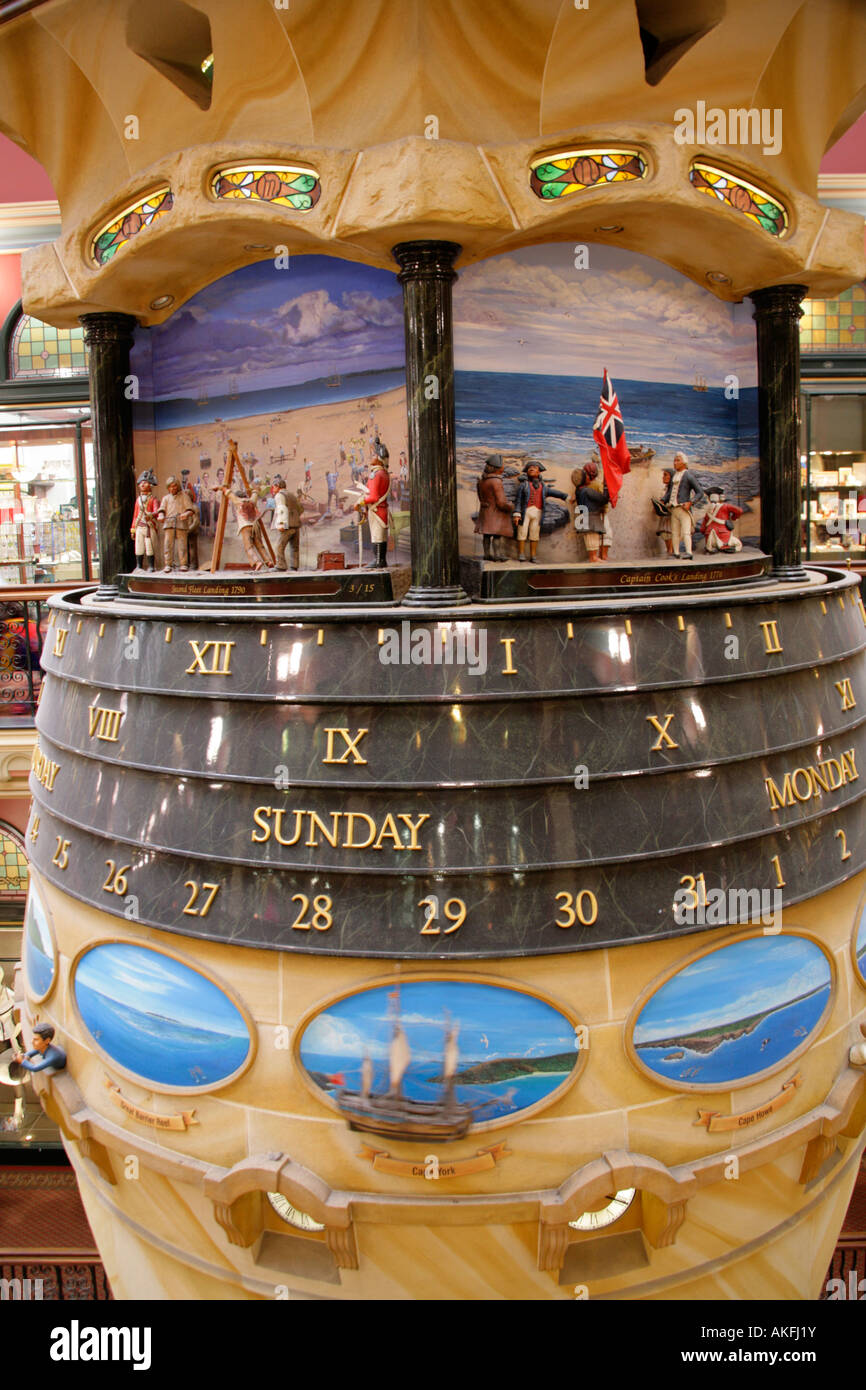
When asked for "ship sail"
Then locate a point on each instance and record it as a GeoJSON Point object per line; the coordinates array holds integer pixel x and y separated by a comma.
{"type": "Point", "coordinates": [366, 1076]}
{"type": "Point", "coordinates": [449, 1065]}
{"type": "Point", "coordinates": [400, 1057]}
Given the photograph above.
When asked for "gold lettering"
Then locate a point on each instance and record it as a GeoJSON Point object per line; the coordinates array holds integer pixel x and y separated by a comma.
{"type": "Point", "coordinates": [220, 661]}
{"type": "Point", "coordinates": [662, 731]}
{"type": "Point", "coordinates": [389, 828]}
{"type": "Point", "coordinates": [44, 770]}
{"type": "Point", "coordinates": [846, 693]}
{"type": "Point", "coordinates": [349, 842]}
{"type": "Point", "coordinates": [351, 746]}
{"type": "Point", "coordinates": [509, 669]}
{"type": "Point", "coordinates": [260, 816]}
{"type": "Point", "coordinates": [831, 764]}
{"type": "Point", "coordinates": [414, 827]}
{"type": "Point", "coordinates": [850, 773]}
{"type": "Point", "coordinates": [104, 723]}
{"type": "Point", "coordinates": [802, 772]}
{"type": "Point", "coordinates": [820, 783]}
{"type": "Point", "coordinates": [60, 636]}
{"type": "Point", "coordinates": [785, 797]}
{"type": "Point", "coordinates": [278, 825]}
{"type": "Point", "coordinates": [331, 837]}
{"type": "Point", "coordinates": [771, 637]}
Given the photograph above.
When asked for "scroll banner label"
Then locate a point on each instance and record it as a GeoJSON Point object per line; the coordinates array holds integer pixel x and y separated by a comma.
{"type": "Point", "coordinates": [430, 1167]}
{"type": "Point", "coordinates": [183, 1120]}
{"type": "Point", "coordinates": [714, 1121]}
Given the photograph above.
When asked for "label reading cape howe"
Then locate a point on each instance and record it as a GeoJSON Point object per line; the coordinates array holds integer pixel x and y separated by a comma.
{"type": "Point", "coordinates": [77, 1343]}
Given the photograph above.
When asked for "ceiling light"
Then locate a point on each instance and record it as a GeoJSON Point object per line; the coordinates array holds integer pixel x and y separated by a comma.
{"type": "Point", "coordinates": [162, 301]}
{"type": "Point", "coordinates": [610, 227]}
{"type": "Point", "coordinates": [718, 277]}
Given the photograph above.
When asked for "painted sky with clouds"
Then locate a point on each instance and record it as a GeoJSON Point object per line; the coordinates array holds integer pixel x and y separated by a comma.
{"type": "Point", "coordinates": [633, 315]}
{"type": "Point", "coordinates": [261, 327]}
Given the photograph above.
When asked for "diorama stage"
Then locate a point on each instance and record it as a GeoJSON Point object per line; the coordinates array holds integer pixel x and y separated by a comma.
{"type": "Point", "coordinates": [304, 367]}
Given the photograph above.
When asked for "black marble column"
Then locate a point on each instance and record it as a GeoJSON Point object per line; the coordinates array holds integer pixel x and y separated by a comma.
{"type": "Point", "coordinates": [109, 338]}
{"type": "Point", "coordinates": [427, 274]}
{"type": "Point", "coordinates": [777, 314]}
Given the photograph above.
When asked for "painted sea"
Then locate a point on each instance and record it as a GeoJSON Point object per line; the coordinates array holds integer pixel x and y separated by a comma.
{"type": "Point", "coordinates": [555, 414]}
{"type": "Point", "coordinates": [734, 1012]}
{"type": "Point", "coordinates": [514, 1049]}
{"type": "Point", "coordinates": [38, 950]}
{"type": "Point", "coordinates": [160, 1049]}
{"type": "Point", "coordinates": [860, 948]}
{"type": "Point", "coordinates": [182, 412]}
{"type": "Point", "coordinates": [158, 1018]}
{"type": "Point", "coordinates": [769, 1042]}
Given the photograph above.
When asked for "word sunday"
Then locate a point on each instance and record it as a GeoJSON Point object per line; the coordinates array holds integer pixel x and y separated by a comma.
{"type": "Point", "coordinates": [348, 829]}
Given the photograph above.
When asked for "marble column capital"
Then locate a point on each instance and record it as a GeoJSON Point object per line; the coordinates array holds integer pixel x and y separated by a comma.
{"type": "Point", "coordinates": [778, 300]}
{"type": "Point", "coordinates": [426, 260]}
{"type": "Point", "coordinates": [107, 328]}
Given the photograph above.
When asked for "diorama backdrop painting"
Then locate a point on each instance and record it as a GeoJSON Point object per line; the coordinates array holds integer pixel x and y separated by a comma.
{"type": "Point", "coordinates": [300, 365]}
{"type": "Point", "coordinates": [532, 337]}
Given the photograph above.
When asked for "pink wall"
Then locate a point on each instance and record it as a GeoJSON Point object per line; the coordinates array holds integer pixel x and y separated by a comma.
{"type": "Point", "coordinates": [848, 155]}
{"type": "Point", "coordinates": [10, 283]}
{"type": "Point", "coordinates": [22, 180]}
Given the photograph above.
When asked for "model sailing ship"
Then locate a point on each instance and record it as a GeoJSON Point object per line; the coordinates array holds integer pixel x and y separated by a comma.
{"type": "Point", "coordinates": [393, 1113]}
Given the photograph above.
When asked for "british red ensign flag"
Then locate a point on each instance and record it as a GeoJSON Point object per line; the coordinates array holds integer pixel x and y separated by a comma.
{"type": "Point", "coordinates": [609, 434]}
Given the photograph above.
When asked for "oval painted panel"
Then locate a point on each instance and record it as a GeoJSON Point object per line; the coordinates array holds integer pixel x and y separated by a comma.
{"type": "Point", "coordinates": [39, 953]}
{"type": "Point", "coordinates": [860, 943]}
{"type": "Point", "coordinates": [158, 1018]}
{"type": "Point", "coordinates": [504, 1050]}
{"type": "Point", "coordinates": [735, 1012]}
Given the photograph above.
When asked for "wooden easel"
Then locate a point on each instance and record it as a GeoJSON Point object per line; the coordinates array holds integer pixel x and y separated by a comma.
{"type": "Point", "coordinates": [216, 554]}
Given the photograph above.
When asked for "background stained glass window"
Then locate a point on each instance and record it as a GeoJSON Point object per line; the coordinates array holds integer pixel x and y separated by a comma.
{"type": "Point", "coordinates": [14, 870]}
{"type": "Point", "coordinates": [120, 231]}
{"type": "Point", "coordinates": [743, 197]}
{"type": "Point", "coordinates": [835, 325]}
{"type": "Point", "coordinates": [285, 185]}
{"type": "Point", "coordinates": [37, 349]}
{"type": "Point", "coordinates": [557, 176]}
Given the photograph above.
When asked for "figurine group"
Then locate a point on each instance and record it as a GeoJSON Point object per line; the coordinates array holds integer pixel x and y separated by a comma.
{"type": "Point", "coordinates": [499, 520]}
{"type": "Point", "coordinates": [682, 493]}
{"type": "Point", "coordinates": [170, 528]}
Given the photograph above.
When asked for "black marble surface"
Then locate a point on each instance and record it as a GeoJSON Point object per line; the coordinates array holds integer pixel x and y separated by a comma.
{"type": "Point", "coordinates": [502, 583]}
{"type": "Point", "coordinates": [427, 274]}
{"type": "Point", "coordinates": [109, 338]}
{"type": "Point", "coordinates": [777, 316]}
{"type": "Point", "coordinates": [184, 781]}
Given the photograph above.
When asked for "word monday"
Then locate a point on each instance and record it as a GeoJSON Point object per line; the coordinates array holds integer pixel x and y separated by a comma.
{"type": "Point", "coordinates": [805, 782]}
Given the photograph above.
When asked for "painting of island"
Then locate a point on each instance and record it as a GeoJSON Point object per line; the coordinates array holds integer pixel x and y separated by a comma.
{"type": "Point", "coordinates": [860, 945]}
{"type": "Point", "coordinates": [38, 948]}
{"type": "Point", "coordinates": [159, 1019]}
{"type": "Point", "coordinates": [735, 1012]}
{"type": "Point", "coordinates": [508, 1050]}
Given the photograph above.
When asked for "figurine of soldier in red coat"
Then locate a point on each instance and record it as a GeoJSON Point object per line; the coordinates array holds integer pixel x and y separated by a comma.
{"type": "Point", "coordinates": [718, 523]}
{"type": "Point", "coordinates": [375, 504]}
{"type": "Point", "coordinates": [144, 529]}
{"type": "Point", "coordinates": [493, 523]}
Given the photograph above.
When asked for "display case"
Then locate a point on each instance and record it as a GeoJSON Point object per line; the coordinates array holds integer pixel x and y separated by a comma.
{"type": "Point", "coordinates": [833, 472]}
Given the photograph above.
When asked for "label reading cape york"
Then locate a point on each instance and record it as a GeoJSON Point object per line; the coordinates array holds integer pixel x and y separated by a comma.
{"type": "Point", "coordinates": [77, 1343]}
